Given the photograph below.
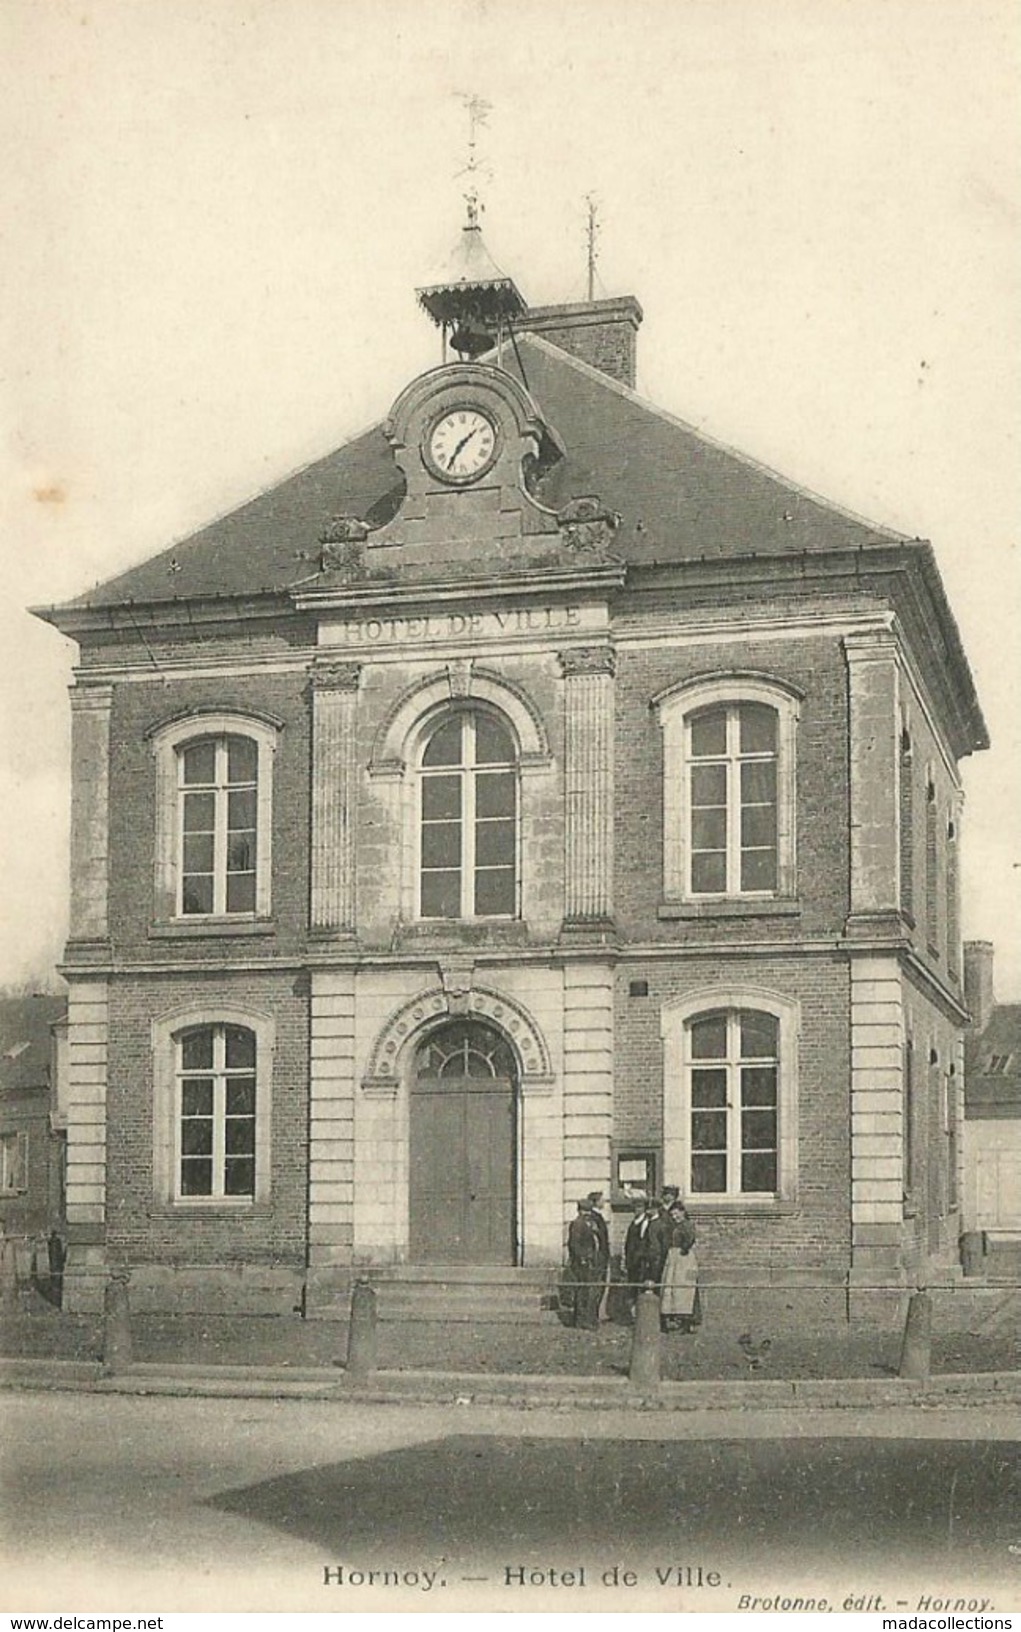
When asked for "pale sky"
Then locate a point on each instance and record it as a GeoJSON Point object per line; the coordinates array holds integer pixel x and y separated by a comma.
{"type": "Point", "coordinates": [216, 215]}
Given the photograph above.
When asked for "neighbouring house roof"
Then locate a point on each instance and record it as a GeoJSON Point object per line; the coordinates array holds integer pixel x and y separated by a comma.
{"type": "Point", "coordinates": [25, 1041]}
{"type": "Point", "coordinates": [681, 497]}
{"type": "Point", "coordinates": [992, 1065]}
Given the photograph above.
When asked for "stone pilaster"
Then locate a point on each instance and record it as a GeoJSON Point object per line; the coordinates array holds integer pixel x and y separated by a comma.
{"type": "Point", "coordinates": [588, 771]}
{"type": "Point", "coordinates": [334, 795]}
{"type": "Point", "coordinates": [90, 811]}
{"type": "Point", "coordinates": [331, 1121]}
{"type": "Point", "coordinates": [587, 1078]}
{"type": "Point", "coordinates": [87, 1034]}
{"type": "Point", "coordinates": [877, 1124]}
{"type": "Point", "coordinates": [874, 722]}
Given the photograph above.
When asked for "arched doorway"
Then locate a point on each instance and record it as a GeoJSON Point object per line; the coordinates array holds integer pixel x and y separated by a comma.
{"type": "Point", "coordinates": [463, 1147]}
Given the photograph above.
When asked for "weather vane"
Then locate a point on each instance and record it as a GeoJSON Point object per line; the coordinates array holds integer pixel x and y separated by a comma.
{"type": "Point", "coordinates": [478, 110]}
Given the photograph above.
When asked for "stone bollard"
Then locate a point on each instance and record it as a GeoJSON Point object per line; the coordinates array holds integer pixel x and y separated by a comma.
{"type": "Point", "coordinates": [116, 1324]}
{"type": "Point", "coordinates": [644, 1366]}
{"type": "Point", "coordinates": [361, 1331]}
{"type": "Point", "coordinates": [916, 1347]}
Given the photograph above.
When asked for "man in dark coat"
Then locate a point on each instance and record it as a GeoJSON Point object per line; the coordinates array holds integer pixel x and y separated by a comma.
{"type": "Point", "coordinates": [587, 1258]}
{"type": "Point", "coordinates": [636, 1248]}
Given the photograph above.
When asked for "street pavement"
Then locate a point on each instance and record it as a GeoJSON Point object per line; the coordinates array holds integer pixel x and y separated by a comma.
{"type": "Point", "coordinates": [117, 1503]}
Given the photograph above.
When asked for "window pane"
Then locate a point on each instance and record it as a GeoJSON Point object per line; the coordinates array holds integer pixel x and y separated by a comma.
{"type": "Point", "coordinates": [441, 796]}
{"type": "Point", "coordinates": [494, 892]}
{"type": "Point", "coordinates": [199, 812]}
{"type": "Point", "coordinates": [197, 1176]}
{"type": "Point", "coordinates": [197, 1136]}
{"type": "Point", "coordinates": [758, 1130]}
{"type": "Point", "coordinates": [197, 895]}
{"type": "Point", "coordinates": [758, 827]}
{"type": "Point", "coordinates": [197, 1049]}
{"type": "Point", "coordinates": [242, 759]}
{"type": "Point", "coordinates": [198, 852]}
{"type": "Point", "coordinates": [709, 830]}
{"type": "Point", "coordinates": [199, 762]}
{"type": "Point", "coordinates": [758, 1172]}
{"type": "Point", "coordinates": [494, 843]}
{"type": "Point", "coordinates": [197, 1096]}
{"type": "Point", "coordinates": [758, 869]}
{"type": "Point", "coordinates": [758, 728]}
{"type": "Point", "coordinates": [241, 892]}
{"type": "Point", "coordinates": [709, 732]}
{"type": "Point", "coordinates": [441, 844]}
{"type": "Point", "coordinates": [709, 1037]}
{"type": "Point", "coordinates": [241, 809]}
{"type": "Point", "coordinates": [709, 1173]}
{"type": "Point", "coordinates": [758, 1035]}
{"type": "Point", "coordinates": [239, 1136]}
{"type": "Point", "coordinates": [241, 1096]}
{"type": "Point", "coordinates": [758, 1085]}
{"type": "Point", "coordinates": [493, 745]}
{"type": "Point", "coordinates": [709, 784]}
{"type": "Point", "coordinates": [441, 895]}
{"type": "Point", "coordinates": [241, 853]}
{"type": "Point", "coordinates": [444, 746]}
{"type": "Point", "coordinates": [240, 1048]}
{"type": "Point", "coordinates": [709, 1130]}
{"type": "Point", "coordinates": [494, 793]}
{"type": "Point", "coordinates": [239, 1176]}
{"type": "Point", "coordinates": [708, 1088]}
{"type": "Point", "coordinates": [758, 782]}
{"type": "Point", "coordinates": [708, 873]}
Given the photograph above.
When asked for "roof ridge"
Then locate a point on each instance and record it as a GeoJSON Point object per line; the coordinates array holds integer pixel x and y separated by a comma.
{"type": "Point", "coordinates": [748, 460]}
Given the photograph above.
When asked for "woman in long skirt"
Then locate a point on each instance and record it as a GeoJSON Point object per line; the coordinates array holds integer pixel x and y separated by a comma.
{"type": "Point", "coordinates": [679, 1307]}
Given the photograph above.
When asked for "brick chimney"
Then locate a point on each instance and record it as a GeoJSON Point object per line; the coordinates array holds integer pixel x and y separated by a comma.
{"type": "Point", "coordinates": [978, 982]}
{"type": "Point", "coordinates": [603, 333]}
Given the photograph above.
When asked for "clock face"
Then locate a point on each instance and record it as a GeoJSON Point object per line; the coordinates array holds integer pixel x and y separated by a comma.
{"type": "Point", "coordinates": [461, 445]}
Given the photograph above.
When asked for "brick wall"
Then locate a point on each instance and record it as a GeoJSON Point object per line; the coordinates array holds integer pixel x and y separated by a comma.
{"type": "Point", "coordinates": [817, 668]}
{"type": "Point", "coordinates": [143, 1229]}
{"type": "Point", "coordinates": [137, 709]}
{"type": "Point", "coordinates": [814, 1233]}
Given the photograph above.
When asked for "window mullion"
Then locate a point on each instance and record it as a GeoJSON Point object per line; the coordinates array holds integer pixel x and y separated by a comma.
{"type": "Point", "coordinates": [220, 831]}
{"type": "Point", "coordinates": [733, 802]}
{"type": "Point", "coordinates": [733, 1105]}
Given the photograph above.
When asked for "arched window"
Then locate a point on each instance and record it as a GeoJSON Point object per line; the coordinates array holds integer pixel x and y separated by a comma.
{"type": "Point", "coordinates": [733, 1070]}
{"type": "Point", "coordinates": [468, 818]}
{"type": "Point", "coordinates": [218, 789]}
{"type": "Point", "coordinates": [730, 1095]}
{"type": "Point", "coordinates": [216, 1112]}
{"type": "Point", "coordinates": [728, 789]}
{"type": "Point", "coordinates": [213, 818]}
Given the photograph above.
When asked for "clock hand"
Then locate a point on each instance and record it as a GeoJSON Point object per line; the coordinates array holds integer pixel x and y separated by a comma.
{"type": "Point", "coordinates": [461, 446]}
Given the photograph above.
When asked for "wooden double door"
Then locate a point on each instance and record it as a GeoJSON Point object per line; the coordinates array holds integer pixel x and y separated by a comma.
{"type": "Point", "coordinates": [463, 1148]}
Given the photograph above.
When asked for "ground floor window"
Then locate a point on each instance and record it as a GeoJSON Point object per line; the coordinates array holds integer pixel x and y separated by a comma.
{"type": "Point", "coordinates": [216, 1086]}
{"type": "Point", "coordinates": [733, 1073]}
{"type": "Point", "coordinates": [212, 1090]}
{"type": "Point", "coordinates": [730, 1096]}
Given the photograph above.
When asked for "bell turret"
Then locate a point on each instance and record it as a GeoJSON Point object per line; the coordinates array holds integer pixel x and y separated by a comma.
{"type": "Point", "coordinates": [473, 301]}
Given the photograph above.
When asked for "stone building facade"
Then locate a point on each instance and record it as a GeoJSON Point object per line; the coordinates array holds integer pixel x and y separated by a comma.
{"type": "Point", "coordinates": [532, 796]}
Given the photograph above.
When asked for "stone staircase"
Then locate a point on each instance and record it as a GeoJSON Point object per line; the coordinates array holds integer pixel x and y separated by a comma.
{"type": "Point", "coordinates": [447, 1293]}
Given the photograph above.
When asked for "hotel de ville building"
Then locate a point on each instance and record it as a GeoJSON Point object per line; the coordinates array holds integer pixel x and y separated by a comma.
{"type": "Point", "coordinates": [532, 796]}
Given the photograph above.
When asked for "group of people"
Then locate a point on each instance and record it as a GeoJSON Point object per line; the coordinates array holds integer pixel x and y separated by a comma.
{"type": "Point", "coordinates": [659, 1252]}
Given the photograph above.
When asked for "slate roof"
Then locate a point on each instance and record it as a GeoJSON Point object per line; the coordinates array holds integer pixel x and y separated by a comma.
{"type": "Point", "coordinates": [25, 1042]}
{"type": "Point", "coordinates": [992, 1080]}
{"type": "Point", "coordinates": [680, 495]}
